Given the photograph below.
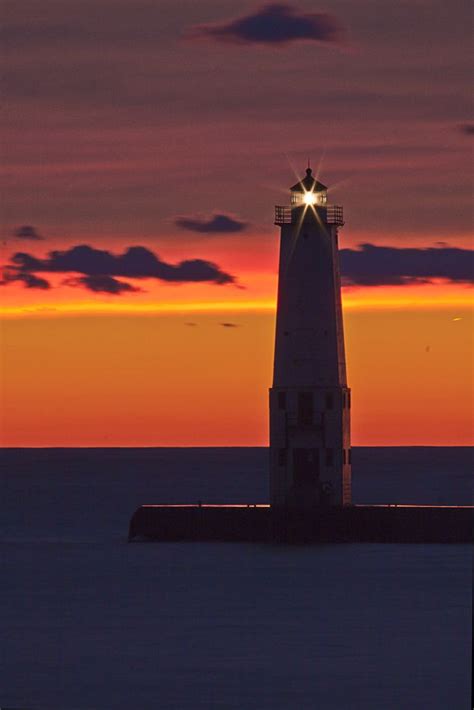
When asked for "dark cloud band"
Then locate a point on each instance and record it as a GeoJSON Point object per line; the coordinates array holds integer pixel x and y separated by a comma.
{"type": "Point", "coordinates": [98, 268]}
{"type": "Point", "coordinates": [371, 265]}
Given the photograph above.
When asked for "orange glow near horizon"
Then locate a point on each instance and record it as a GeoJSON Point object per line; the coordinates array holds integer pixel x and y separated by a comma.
{"type": "Point", "coordinates": [201, 378]}
{"type": "Point", "coordinates": [191, 364]}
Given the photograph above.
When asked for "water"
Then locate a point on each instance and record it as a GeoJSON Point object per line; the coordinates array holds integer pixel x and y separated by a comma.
{"type": "Point", "coordinates": [88, 621]}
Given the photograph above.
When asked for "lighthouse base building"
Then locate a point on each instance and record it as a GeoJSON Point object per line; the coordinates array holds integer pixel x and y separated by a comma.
{"type": "Point", "coordinates": [310, 407]}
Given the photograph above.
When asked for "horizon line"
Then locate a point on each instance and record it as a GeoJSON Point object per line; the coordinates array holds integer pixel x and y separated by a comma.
{"type": "Point", "coordinates": [252, 306]}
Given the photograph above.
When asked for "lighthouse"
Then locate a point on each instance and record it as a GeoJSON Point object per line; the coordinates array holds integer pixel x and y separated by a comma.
{"type": "Point", "coordinates": [310, 402]}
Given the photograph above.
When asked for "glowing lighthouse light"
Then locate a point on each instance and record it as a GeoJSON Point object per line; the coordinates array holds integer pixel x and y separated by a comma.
{"type": "Point", "coordinates": [309, 192]}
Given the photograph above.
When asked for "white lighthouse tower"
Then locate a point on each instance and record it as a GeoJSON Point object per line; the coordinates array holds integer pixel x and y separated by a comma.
{"type": "Point", "coordinates": [310, 455]}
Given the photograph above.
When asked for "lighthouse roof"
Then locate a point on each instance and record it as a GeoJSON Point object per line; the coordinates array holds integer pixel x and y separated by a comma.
{"type": "Point", "coordinates": [308, 184]}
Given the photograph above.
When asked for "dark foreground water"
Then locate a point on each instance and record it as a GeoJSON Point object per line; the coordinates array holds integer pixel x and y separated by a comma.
{"type": "Point", "coordinates": [88, 621]}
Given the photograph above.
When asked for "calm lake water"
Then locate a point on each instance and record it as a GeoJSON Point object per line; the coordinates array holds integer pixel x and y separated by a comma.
{"type": "Point", "coordinates": [88, 621]}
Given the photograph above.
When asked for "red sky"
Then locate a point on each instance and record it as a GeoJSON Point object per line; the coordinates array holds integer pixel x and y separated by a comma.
{"type": "Point", "coordinates": [123, 119]}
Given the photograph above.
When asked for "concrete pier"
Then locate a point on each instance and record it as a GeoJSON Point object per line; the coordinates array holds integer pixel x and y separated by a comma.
{"type": "Point", "coordinates": [342, 524]}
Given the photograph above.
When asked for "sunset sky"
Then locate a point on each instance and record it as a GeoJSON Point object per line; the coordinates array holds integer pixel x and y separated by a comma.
{"type": "Point", "coordinates": [145, 145]}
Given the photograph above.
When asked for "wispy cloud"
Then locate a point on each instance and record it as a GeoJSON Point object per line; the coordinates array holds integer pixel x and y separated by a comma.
{"type": "Point", "coordinates": [276, 23]}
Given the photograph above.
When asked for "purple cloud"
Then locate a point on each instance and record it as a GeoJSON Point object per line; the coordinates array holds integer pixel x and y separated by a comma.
{"type": "Point", "coordinates": [27, 231]}
{"type": "Point", "coordinates": [29, 280]}
{"type": "Point", "coordinates": [371, 265]}
{"type": "Point", "coordinates": [103, 284]}
{"type": "Point", "coordinates": [218, 224]}
{"type": "Point", "coordinates": [99, 266]}
{"type": "Point", "coordinates": [274, 24]}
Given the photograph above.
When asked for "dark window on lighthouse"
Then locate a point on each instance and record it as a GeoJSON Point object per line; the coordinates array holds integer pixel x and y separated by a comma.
{"type": "Point", "coordinates": [282, 457]}
{"type": "Point", "coordinates": [281, 400]}
{"type": "Point", "coordinates": [305, 408]}
{"type": "Point", "coordinates": [305, 467]}
{"type": "Point", "coordinates": [343, 456]}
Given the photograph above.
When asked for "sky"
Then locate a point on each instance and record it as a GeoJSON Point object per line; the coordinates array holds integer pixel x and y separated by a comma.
{"type": "Point", "coordinates": [144, 146]}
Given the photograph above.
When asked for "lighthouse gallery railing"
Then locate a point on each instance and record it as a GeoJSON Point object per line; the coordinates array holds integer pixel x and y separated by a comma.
{"type": "Point", "coordinates": [287, 215]}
